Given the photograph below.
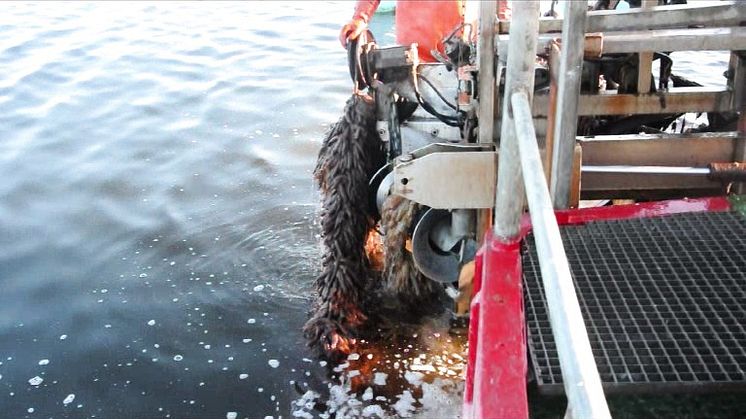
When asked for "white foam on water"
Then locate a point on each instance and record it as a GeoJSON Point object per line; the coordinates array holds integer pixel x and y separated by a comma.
{"type": "Point", "coordinates": [251, 321]}
{"type": "Point", "coordinates": [373, 410]}
{"type": "Point", "coordinates": [63, 337]}
{"type": "Point", "coordinates": [69, 399]}
{"type": "Point", "coordinates": [231, 415]}
{"type": "Point", "coordinates": [44, 362]}
{"type": "Point", "coordinates": [243, 376]}
{"type": "Point", "coordinates": [258, 288]}
{"type": "Point", "coordinates": [30, 410]}
{"type": "Point", "coordinates": [414, 378]}
{"type": "Point", "coordinates": [35, 381]}
{"type": "Point", "coordinates": [441, 398]}
{"type": "Point", "coordinates": [273, 363]}
{"type": "Point", "coordinates": [151, 322]}
{"type": "Point", "coordinates": [353, 357]}
{"type": "Point", "coordinates": [379, 378]}
{"type": "Point", "coordinates": [368, 394]}
{"type": "Point", "coordinates": [178, 358]}
{"type": "Point", "coordinates": [405, 405]}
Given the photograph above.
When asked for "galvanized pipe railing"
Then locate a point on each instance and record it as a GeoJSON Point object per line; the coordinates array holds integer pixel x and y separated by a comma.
{"type": "Point", "coordinates": [582, 383]}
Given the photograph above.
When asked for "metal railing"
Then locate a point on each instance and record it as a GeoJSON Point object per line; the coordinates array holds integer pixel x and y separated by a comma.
{"type": "Point", "coordinates": [520, 168]}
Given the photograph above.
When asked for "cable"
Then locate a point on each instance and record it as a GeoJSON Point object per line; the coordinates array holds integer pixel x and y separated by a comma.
{"type": "Point", "coordinates": [449, 120]}
{"type": "Point", "coordinates": [450, 105]}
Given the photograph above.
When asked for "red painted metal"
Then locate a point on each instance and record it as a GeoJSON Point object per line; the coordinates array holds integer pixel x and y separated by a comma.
{"type": "Point", "coordinates": [645, 209]}
{"type": "Point", "coordinates": [496, 384]}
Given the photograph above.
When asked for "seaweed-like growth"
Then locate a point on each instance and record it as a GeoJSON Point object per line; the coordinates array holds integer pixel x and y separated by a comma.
{"type": "Point", "coordinates": [349, 155]}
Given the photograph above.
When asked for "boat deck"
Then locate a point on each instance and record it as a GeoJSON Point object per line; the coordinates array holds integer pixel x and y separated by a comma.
{"type": "Point", "coordinates": [663, 299]}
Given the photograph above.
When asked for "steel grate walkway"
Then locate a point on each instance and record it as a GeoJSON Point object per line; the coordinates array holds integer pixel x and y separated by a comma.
{"type": "Point", "coordinates": [663, 298]}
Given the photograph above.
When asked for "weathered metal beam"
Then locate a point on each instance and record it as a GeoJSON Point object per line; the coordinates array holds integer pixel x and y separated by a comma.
{"type": "Point", "coordinates": [636, 182]}
{"type": "Point", "coordinates": [700, 39]}
{"type": "Point", "coordinates": [486, 58]}
{"type": "Point", "coordinates": [737, 83]}
{"type": "Point", "coordinates": [696, 39]}
{"type": "Point", "coordinates": [712, 14]}
{"type": "Point", "coordinates": [566, 111]}
{"type": "Point", "coordinates": [519, 76]}
{"type": "Point", "coordinates": [678, 100]}
{"type": "Point", "coordinates": [696, 150]}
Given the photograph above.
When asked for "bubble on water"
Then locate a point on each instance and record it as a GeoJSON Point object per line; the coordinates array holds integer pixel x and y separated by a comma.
{"type": "Point", "coordinates": [379, 378]}
{"type": "Point", "coordinates": [258, 132]}
{"type": "Point", "coordinates": [143, 275]}
{"type": "Point", "coordinates": [373, 410]}
{"type": "Point", "coordinates": [30, 410]}
{"type": "Point", "coordinates": [172, 263]}
{"type": "Point", "coordinates": [207, 346]}
{"type": "Point", "coordinates": [246, 340]}
{"type": "Point", "coordinates": [44, 362]}
{"type": "Point", "coordinates": [243, 376]}
{"type": "Point", "coordinates": [178, 358]}
{"type": "Point", "coordinates": [35, 381]}
{"type": "Point", "coordinates": [63, 337]}
{"type": "Point", "coordinates": [231, 415]}
{"type": "Point", "coordinates": [251, 321]}
{"type": "Point", "coordinates": [151, 322]}
{"type": "Point", "coordinates": [107, 326]}
{"type": "Point", "coordinates": [273, 363]}
{"type": "Point", "coordinates": [353, 357]}
{"type": "Point", "coordinates": [1, 376]}
{"type": "Point", "coordinates": [260, 390]}
{"type": "Point", "coordinates": [370, 356]}
{"type": "Point", "coordinates": [69, 399]}
{"type": "Point", "coordinates": [258, 288]}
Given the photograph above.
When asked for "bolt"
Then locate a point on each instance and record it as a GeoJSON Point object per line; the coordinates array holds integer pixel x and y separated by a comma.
{"type": "Point", "coordinates": [434, 133]}
{"type": "Point", "coordinates": [406, 157]}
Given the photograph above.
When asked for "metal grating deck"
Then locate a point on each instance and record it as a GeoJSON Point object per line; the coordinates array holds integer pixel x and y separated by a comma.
{"type": "Point", "coordinates": [663, 298]}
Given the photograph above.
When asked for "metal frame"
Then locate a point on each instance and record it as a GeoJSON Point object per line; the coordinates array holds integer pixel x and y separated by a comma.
{"type": "Point", "coordinates": [566, 109]}
{"type": "Point", "coordinates": [724, 13]}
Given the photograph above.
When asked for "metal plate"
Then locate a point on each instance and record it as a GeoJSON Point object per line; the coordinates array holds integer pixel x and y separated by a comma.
{"type": "Point", "coordinates": [662, 298]}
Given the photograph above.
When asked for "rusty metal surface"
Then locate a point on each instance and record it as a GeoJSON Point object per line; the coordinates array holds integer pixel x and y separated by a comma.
{"type": "Point", "coordinates": [678, 100]}
{"type": "Point", "coordinates": [710, 14]}
{"type": "Point", "coordinates": [697, 150]}
{"type": "Point", "coordinates": [699, 39]}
